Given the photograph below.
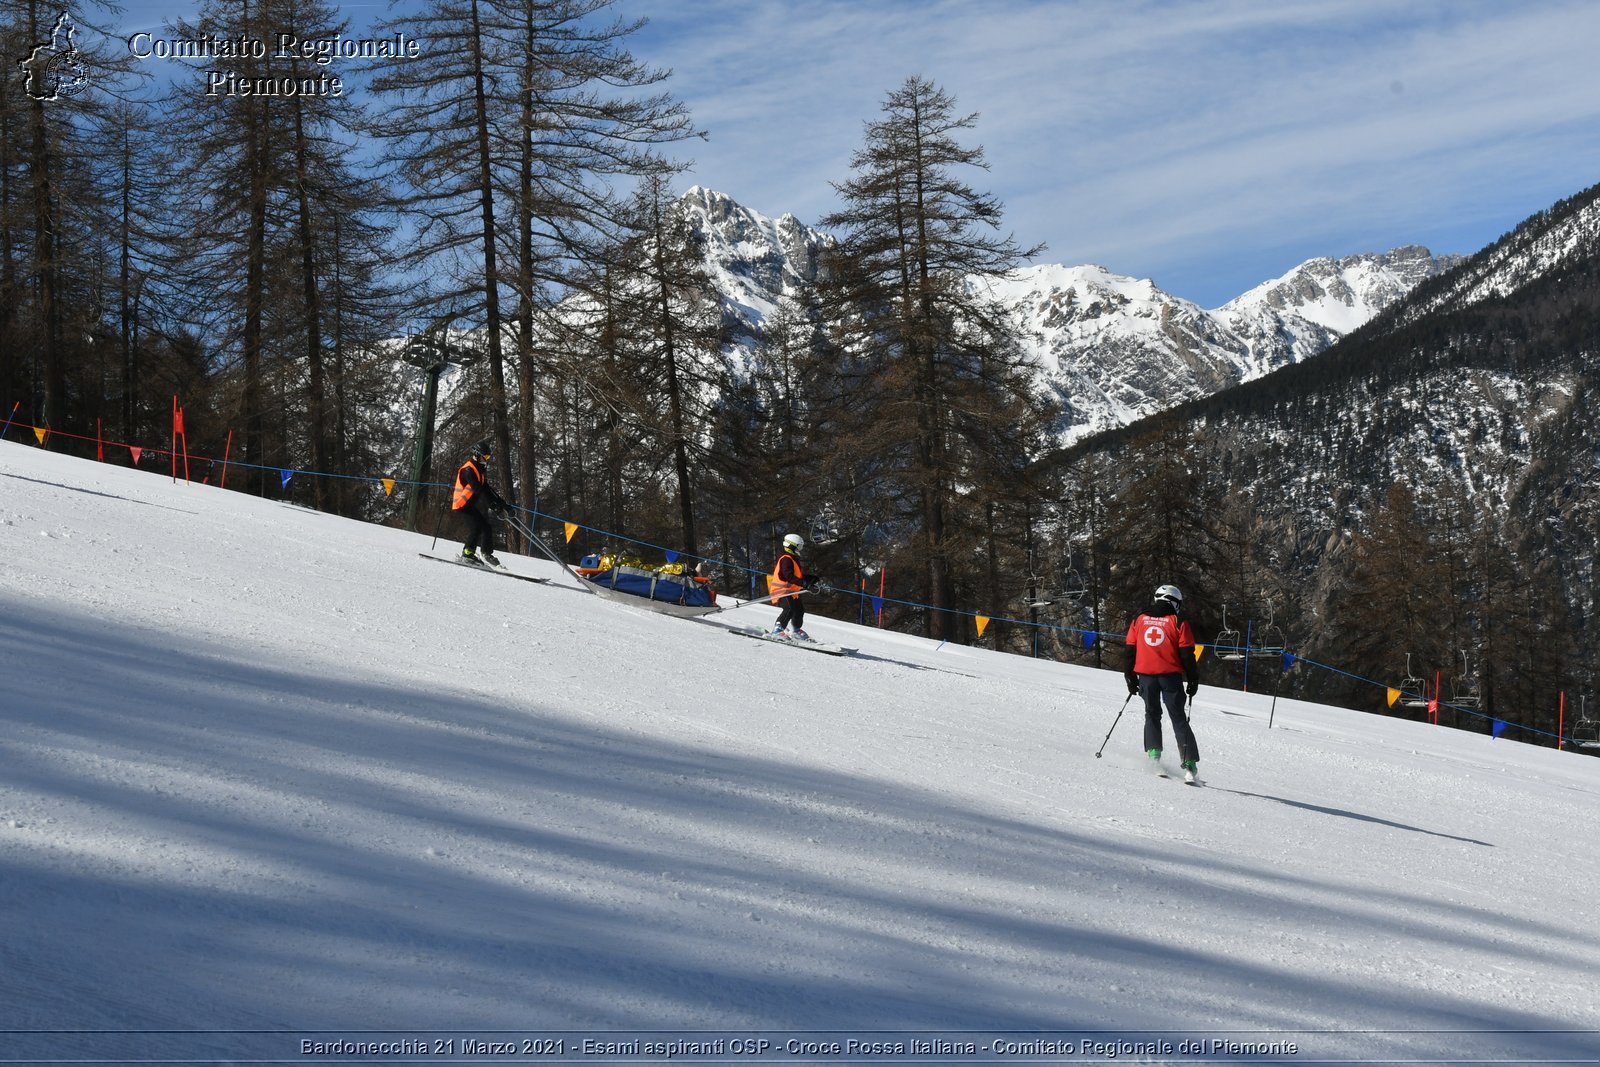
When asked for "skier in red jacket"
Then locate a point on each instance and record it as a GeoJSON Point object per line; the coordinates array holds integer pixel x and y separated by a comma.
{"type": "Point", "coordinates": [1160, 647]}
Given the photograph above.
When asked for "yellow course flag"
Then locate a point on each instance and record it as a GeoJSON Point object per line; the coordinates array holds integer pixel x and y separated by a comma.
{"type": "Point", "coordinates": [983, 622]}
{"type": "Point", "coordinates": [1199, 650]}
{"type": "Point", "coordinates": [572, 528]}
{"type": "Point", "coordinates": [39, 432]}
{"type": "Point", "coordinates": [1394, 694]}
{"type": "Point", "coordinates": [388, 486]}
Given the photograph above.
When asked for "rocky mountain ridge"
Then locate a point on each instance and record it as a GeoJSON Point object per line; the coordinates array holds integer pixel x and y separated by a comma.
{"type": "Point", "coordinates": [1111, 349]}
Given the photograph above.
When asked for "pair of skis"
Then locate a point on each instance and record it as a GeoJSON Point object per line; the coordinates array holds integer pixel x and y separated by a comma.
{"type": "Point", "coordinates": [796, 642]}
{"type": "Point", "coordinates": [1161, 772]}
{"type": "Point", "coordinates": [480, 565]}
{"type": "Point", "coordinates": [1186, 778]}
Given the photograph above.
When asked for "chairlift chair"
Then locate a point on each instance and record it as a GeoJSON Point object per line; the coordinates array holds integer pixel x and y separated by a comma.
{"type": "Point", "coordinates": [1035, 594]}
{"type": "Point", "coordinates": [1271, 636]}
{"type": "Point", "coordinates": [1463, 690]}
{"type": "Point", "coordinates": [1586, 732]}
{"type": "Point", "coordinates": [1413, 690]}
{"type": "Point", "coordinates": [1073, 587]}
{"type": "Point", "coordinates": [1226, 644]}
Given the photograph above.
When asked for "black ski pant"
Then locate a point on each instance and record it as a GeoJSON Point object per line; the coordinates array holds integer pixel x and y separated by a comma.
{"type": "Point", "coordinates": [480, 525]}
{"type": "Point", "coordinates": [793, 611]}
{"type": "Point", "coordinates": [1158, 689]}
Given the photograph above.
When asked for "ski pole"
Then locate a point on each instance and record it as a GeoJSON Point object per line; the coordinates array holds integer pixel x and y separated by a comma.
{"type": "Point", "coordinates": [1114, 722]}
{"type": "Point", "coordinates": [534, 539]}
{"type": "Point", "coordinates": [819, 591]}
{"type": "Point", "coordinates": [438, 517]}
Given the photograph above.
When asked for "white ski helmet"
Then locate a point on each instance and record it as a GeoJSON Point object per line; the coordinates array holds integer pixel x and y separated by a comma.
{"type": "Point", "coordinates": [793, 542]}
{"type": "Point", "coordinates": [1171, 593]}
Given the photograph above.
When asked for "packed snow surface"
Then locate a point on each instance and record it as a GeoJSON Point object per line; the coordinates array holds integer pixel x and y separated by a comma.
{"type": "Point", "coordinates": [268, 770]}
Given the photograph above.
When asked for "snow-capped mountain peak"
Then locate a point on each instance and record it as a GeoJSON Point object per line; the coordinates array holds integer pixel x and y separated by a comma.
{"type": "Point", "coordinates": [1342, 294]}
{"type": "Point", "coordinates": [754, 260]}
{"type": "Point", "coordinates": [1111, 348]}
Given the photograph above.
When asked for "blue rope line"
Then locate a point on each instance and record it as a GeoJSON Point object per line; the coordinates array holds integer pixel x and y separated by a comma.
{"type": "Point", "coordinates": [1099, 635]}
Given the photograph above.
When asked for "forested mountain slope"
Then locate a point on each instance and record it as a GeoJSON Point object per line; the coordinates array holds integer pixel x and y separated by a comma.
{"type": "Point", "coordinates": [1427, 485]}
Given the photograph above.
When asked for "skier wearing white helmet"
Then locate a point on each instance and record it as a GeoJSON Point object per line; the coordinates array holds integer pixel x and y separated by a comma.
{"type": "Point", "coordinates": [1161, 658]}
{"type": "Point", "coordinates": [787, 582]}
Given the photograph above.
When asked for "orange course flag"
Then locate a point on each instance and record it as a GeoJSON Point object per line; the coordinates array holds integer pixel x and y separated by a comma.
{"type": "Point", "coordinates": [1394, 694]}
{"type": "Point", "coordinates": [983, 624]}
{"type": "Point", "coordinates": [571, 528]}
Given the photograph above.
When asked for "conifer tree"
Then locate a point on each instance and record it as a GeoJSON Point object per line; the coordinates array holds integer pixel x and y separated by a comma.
{"type": "Point", "coordinates": [914, 235]}
{"type": "Point", "coordinates": [1160, 522]}
{"type": "Point", "coordinates": [53, 241]}
{"type": "Point", "coordinates": [508, 137]}
{"type": "Point", "coordinates": [672, 320]}
{"type": "Point", "coordinates": [1391, 601]}
{"type": "Point", "coordinates": [271, 178]}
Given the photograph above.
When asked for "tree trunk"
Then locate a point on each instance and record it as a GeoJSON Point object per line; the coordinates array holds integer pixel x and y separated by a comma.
{"type": "Point", "coordinates": [491, 273]}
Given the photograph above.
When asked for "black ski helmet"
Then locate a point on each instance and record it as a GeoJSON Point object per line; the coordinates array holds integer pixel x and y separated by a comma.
{"type": "Point", "coordinates": [481, 450]}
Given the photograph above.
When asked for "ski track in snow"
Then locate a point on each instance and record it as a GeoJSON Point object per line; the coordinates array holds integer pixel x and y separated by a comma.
{"type": "Point", "coordinates": [265, 768]}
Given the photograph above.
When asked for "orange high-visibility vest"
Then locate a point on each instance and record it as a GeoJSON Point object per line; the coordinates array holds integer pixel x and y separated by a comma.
{"type": "Point", "coordinates": [780, 588]}
{"type": "Point", "coordinates": [463, 493]}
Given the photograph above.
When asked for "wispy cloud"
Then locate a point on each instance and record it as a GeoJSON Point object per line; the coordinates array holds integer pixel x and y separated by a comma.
{"type": "Point", "coordinates": [1208, 146]}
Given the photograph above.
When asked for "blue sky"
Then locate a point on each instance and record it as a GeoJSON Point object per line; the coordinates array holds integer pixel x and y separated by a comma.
{"type": "Point", "coordinates": [1208, 146]}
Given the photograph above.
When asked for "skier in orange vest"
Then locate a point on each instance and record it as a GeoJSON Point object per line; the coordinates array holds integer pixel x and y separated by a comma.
{"type": "Point", "coordinates": [1161, 658]}
{"type": "Point", "coordinates": [787, 581]}
{"type": "Point", "coordinates": [476, 500]}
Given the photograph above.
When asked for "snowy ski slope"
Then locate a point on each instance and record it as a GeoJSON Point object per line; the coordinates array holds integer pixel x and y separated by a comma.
{"type": "Point", "coordinates": [266, 770]}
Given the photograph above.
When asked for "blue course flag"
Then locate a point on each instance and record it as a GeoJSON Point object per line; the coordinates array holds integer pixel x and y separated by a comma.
{"type": "Point", "coordinates": [672, 557]}
{"type": "Point", "coordinates": [1089, 638]}
{"type": "Point", "coordinates": [286, 476]}
{"type": "Point", "coordinates": [1288, 660]}
{"type": "Point", "coordinates": [877, 605]}
{"type": "Point", "coordinates": [1499, 727]}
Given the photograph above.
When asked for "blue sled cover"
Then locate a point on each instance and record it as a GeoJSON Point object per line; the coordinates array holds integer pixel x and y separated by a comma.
{"type": "Point", "coordinates": [681, 591]}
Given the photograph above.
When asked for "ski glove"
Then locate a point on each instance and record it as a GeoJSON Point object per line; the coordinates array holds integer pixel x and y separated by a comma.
{"type": "Point", "coordinates": [1133, 684]}
{"type": "Point", "coordinates": [1194, 687]}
